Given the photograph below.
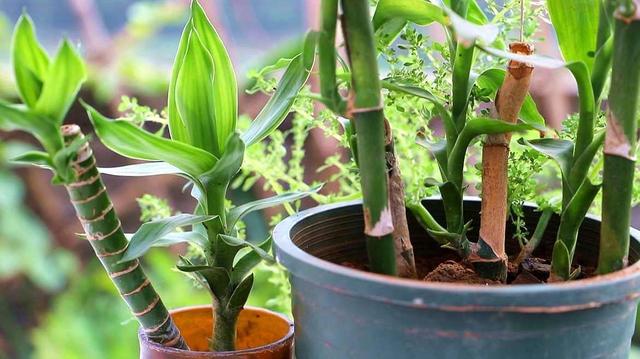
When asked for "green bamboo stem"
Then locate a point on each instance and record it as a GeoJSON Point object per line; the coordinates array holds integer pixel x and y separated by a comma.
{"type": "Point", "coordinates": [220, 254]}
{"type": "Point", "coordinates": [225, 328]}
{"type": "Point", "coordinates": [369, 123]}
{"type": "Point", "coordinates": [327, 55]}
{"type": "Point", "coordinates": [102, 228]}
{"type": "Point", "coordinates": [620, 142]}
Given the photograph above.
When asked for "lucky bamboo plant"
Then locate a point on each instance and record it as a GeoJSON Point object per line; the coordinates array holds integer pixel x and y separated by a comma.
{"type": "Point", "coordinates": [388, 245]}
{"type": "Point", "coordinates": [587, 54]}
{"type": "Point", "coordinates": [360, 47]}
{"type": "Point", "coordinates": [48, 87]}
{"type": "Point", "coordinates": [205, 149]}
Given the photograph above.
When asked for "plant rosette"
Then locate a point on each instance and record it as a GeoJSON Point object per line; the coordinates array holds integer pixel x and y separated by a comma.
{"type": "Point", "coordinates": [206, 149]}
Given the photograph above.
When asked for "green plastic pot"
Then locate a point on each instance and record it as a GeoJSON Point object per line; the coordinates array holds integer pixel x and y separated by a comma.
{"type": "Point", "coordinates": [346, 313]}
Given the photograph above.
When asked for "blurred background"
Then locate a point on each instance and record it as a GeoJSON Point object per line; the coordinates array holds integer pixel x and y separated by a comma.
{"type": "Point", "coordinates": [55, 301]}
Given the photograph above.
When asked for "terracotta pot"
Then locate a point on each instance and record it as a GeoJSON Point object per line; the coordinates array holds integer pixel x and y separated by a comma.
{"type": "Point", "coordinates": [262, 334]}
{"type": "Point", "coordinates": [342, 312]}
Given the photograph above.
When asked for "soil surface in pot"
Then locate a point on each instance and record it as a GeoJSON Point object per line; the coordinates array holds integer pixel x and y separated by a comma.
{"type": "Point", "coordinates": [343, 228]}
{"type": "Point", "coordinates": [450, 269]}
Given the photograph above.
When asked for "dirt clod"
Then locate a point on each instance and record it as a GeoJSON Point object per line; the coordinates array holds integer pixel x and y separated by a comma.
{"type": "Point", "coordinates": [454, 272]}
{"type": "Point", "coordinates": [526, 278]}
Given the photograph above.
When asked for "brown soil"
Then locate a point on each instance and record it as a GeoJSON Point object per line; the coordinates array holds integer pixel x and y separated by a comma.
{"type": "Point", "coordinates": [454, 272]}
{"type": "Point", "coordinates": [448, 268]}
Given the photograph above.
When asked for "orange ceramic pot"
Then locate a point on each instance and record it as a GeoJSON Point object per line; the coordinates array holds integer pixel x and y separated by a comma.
{"type": "Point", "coordinates": [262, 334]}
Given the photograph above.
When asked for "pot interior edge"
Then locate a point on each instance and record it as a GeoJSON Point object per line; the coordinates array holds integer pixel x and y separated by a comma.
{"type": "Point", "coordinates": [334, 233]}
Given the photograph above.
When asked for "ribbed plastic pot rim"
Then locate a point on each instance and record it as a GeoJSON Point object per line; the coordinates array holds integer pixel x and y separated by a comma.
{"type": "Point", "coordinates": [230, 354]}
{"type": "Point", "coordinates": [619, 286]}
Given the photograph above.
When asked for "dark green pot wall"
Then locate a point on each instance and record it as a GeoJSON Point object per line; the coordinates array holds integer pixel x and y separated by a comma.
{"type": "Point", "coordinates": [344, 313]}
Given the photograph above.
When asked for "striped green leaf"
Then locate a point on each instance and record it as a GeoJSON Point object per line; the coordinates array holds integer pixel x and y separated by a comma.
{"type": "Point", "coordinates": [133, 142]}
{"type": "Point", "coordinates": [225, 88]}
{"type": "Point", "coordinates": [576, 25]}
{"type": "Point", "coordinates": [196, 105]}
{"type": "Point", "coordinates": [151, 233]}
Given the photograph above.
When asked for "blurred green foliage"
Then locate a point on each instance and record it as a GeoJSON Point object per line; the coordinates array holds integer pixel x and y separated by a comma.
{"type": "Point", "coordinates": [25, 244]}
{"type": "Point", "coordinates": [90, 320]}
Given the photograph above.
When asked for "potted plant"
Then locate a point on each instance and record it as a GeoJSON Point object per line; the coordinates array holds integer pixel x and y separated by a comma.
{"type": "Point", "coordinates": [582, 286]}
{"type": "Point", "coordinates": [205, 148]}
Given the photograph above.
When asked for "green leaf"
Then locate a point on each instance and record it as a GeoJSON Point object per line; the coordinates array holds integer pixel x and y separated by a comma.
{"type": "Point", "coordinates": [571, 219]}
{"type": "Point", "coordinates": [391, 16]}
{"type": "Point", "coordinates": [438, 150]}
{"type": "Point", "coordinates": [196, 105]}
{"type": "Point", "coordinates": [177, 128]}
{"type": "Point", "coordinates": [62, 83]}
{"type": "Point", "coordinates": [34, 158]}
{"type": "Point", "coordinates": [181, 237]}
{"type": "Point", "coordinates": [225, 88]}
{"type": "Point", "coordinates": [475, 14]}
{"type": "Point", "coordinates": [246, 263]}
{"type": "Point", "coordinates": [194, 99]}
{"type": "Point", "coordinates": [581, 165]}
{"type": "Point", "coordinates": [30, 61]}
{"type": "Point", "coordinates": [560, 261]}
{"type": "Point", "coordinates": [240, 294]}
{"type": "Point", "coordinates": [576, 25]}
{"type": "Point", "coordinates": [472, 129]}
{"type": "Point", "coordinates": [279, 105]}
{"type": "Point", "coordinates": [452, 199]}
{"type": "Point", "coordinates": [237, 213]}
{"type": "Point", "coordinates": [134, 142]}
{"type": "Point", "coordinates": [141, 170]}
{"type": "Point", "coordinates": [237, 242]}
{"type": "Point", "coordinates": [216, 277]}
{"type": "Point", "coordinates": [151, 233]}
{"type": "Point", "coordinates": [14, 117]}
{"type": "Point", "coordinates": [492, 79]}
{"type": "Point", "coordinates": [228, 165]}
{"type": "Point", "coordinates": [561, 151]}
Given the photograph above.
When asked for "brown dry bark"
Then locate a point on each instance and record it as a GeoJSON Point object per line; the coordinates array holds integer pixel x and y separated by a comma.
{"type": "Point", "coordinates": [495, 154]}
{"type": "Point", "coordinates": [405, 261]}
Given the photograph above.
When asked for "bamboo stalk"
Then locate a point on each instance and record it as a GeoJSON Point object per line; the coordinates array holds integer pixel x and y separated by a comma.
{"type": "Point", "coordinates": [620, 141]}
{"type": "Point", "coordinates": [102, 228]}
{"type": "Point", "coordinates": [370, 131]}
{"type": "Point", "coordinates": [220, 254]}
{"type": "Point", "coordinates": [327, 54]}
{"type": "Point", "coordinates": [490, 260]}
